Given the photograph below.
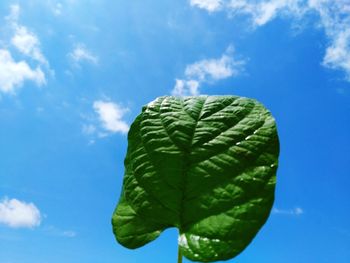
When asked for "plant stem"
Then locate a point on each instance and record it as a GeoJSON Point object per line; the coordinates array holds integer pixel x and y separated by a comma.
{"type": "Point", "coordinates": [179, 255]}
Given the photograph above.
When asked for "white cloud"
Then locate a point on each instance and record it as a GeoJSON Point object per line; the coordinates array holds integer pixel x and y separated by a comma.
{"type": "Point", "coordinates": [81, 54]}
{"type": "Point", "coordinates": [334, 18]}
{"type": "Point", "coordinates": [338, 53]}
{"type": "Point", "coordinates": [23, 39]}
{"type": "Point", "coordinates": [15, 213]}
{"type": "Point", "coordinates": [110, 114]}
{"type": "Point", "coordinates": [207, 70]}
{"type": "Point", "coordinates": [297, 211]}
{"type": "Point", "coordinates": [14, 13]}
{"type": "Point", "coordinates": [260, 12]}
{"type": "Point", "coordinates": [13, 74]}
{"type": "Point", "coordinates": [215, 69]}
{"type": "Point", "coordinates": [28, 44]}
{"type": "Point", "coordinates": [186, 88]}
{"type": "Point", "coordinates": [210, 5]}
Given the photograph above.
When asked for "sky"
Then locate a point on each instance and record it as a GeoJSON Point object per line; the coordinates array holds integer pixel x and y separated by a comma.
{"type": "Point", "coordinates": [74, 75]}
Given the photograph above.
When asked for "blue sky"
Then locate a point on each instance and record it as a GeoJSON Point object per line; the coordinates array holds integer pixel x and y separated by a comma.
{"type": "Point", "coordinates": [74, 74]}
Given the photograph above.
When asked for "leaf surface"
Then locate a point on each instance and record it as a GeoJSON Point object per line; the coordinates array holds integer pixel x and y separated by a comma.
{"type": "Point", "coordinates": [205, 165]}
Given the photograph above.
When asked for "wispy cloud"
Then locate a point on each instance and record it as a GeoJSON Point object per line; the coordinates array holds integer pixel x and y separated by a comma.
{"type": "Point", "coordinates": [23, 39]}
{"type": "Point", "coordinates": [81, 54]}
{"type": "Point", "coordinates": [13, 73]}
{"type": "Point", "coordinates": [260, 12]}
{"type": "Point", "coordinates": [207, 70]}
{"type": "Point", "coordinates": [297, 211]}
{"type": "Point", "coordinates": [185, 87]}
{"type": "Point", "coordinates": [54, 231]}
{"type": "Point", "coordinates": [69, 233]}
{"type": "Point", "coordinates": [111, 116]}
{"type": "Point", "coordinates": [334, 18]}
{"type": "Point", "coordinates": [57, 9]}
{"type": "Point", "coordinates": [14, 13]}
{"type": "Point", "coordinates": [209, 5]}
{"type": "Point", "coordinates": [89, 129]}
{"type": "Point", "coordinates": [215, 69]}
{"type": "Point", "coordinates": [16, 214]}
{"type": "Point", "coordinates": [27, 43]}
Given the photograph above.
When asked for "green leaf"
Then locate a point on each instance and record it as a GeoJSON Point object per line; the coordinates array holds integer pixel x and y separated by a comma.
{"type": "Point", "coordinates": [205, 165]}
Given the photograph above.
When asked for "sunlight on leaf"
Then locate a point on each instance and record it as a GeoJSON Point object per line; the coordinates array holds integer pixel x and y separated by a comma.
{"type": "Point", "coordinates": [205, 165]}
